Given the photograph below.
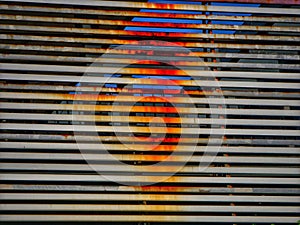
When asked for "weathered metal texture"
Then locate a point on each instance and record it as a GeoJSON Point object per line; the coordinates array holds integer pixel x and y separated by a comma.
{"type": "Point", "coordinates": [147, 208]}
{"type": "Point", "coordinates": [55, 20]}
{"type": "Point", "coordinates": [70, 78]}
{"type": "Point", "coordinates": [122, 13]}
{"type": "Point", "coordinates": [161, 189]}
{"type": "Point", "coordinates": [63, 117]}
{"type": "Point", "coordinates": [134, 43]}
{"type": "Point", "coordinates": [189, 169]}
{"type": "Point", "coordinates": [131, 178]}
{"type": "Point", "coordinates": [121, 129]}
{"type": "Point", "coordinates": [142, 71]}
{"type": "Point", "coordinates": [121, 99]}
{"type": "Point", "coordinates": [71, 30]}
{"type": "Point", "coordinates": [81, 107]}
{"type": "Point", "coordinates": [149, 61]}
{"type": "Point", "coordinates": [151, 197]}
{"type": "Point", "coordinates": [188, 7]}
{"type": "Point", "coordinates": [198, 93]}
{"type": "Point", "coordinates": [109, 165]}
{"type": "Point", "coordinates": [227, 141]}
{"type": "Point", "coordinates": [250, 76]}
{"type": "Point", "coordinates": [123, 54]}
{"type": "Point", "coordinates": [71, 146]}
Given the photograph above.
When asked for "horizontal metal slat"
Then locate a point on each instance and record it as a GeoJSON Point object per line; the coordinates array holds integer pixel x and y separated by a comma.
{"type": "Point", "coordinates": [38, 177]}
{"type": "Point", "coordinates": [95, 118]}
{"type": "Point", "coordinates": [122, 13]}
{"type": "Point", "coordinates": [187, 169]}
{"type": "Point", "coordinates": [225, 141]}
{"type": "Point", "coordinates": [183, 64]}
{"type": "Point", "coordinates": [147, 189]}
{"type": "Point", "coordinates": [72, 146]}
{"type": "Point", "coordinates": [147, 218]}
{"type": "Point", "coordinates": [132, 157]}
{"type": "Point", "coordinates": [134, 43]}
{"type": "Point", "coordinates": [107, 32]}
{"type": "Point", "coordinates": [150, 197]}
{"type": "Point", "coordinates": [58, 88]}
{"type": "Point", "coordinates": [121, 99]}
{"type": "Point", "coordinates": [158, 130]}
{"type": "Point", "coordinates": [114, 23]}
{"type": "Point", "coordinates": [258, 163]}
{"type": "Point", "coordinates": [119, 54]}
{"type": "Point", "coordinates": [104, 70]}
{"type": "Point", "coordinates": [188, 7]}
{"type": "Point", "coordinates": [62, 78]}
{"type": "Point", "coordinates": [92, 108]}
{"type": "Point", "coordinates": [147, 208]}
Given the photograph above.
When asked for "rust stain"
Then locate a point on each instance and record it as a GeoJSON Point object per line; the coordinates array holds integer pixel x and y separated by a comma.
{"type": "Point", "coordinates": [66, 136]}
{"type": "Point", "coordinates": [168, 189]}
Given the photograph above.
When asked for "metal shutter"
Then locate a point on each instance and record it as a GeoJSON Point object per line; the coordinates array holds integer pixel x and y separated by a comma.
{"type": "Point", "coordinates": [237, 111]}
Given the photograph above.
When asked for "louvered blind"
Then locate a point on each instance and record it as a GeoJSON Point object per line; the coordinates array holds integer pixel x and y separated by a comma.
{"type": "Point", "coordinates": [149, 112]}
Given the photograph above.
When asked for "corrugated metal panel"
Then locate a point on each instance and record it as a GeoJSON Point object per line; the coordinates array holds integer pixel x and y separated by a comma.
{"type": "Point", "coordinates": [125, 112]}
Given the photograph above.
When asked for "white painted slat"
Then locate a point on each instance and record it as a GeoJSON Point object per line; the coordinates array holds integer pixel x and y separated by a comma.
{"type": "Point", "coordinates": [148, 197]}
{"type": "Point", "coordinates": [104, 157]}
{"type": "Point", "coordinates": [53, 107]}
{"type": "Point", "coordinates": [170, 130]}
{"type": "Point", "coordinates": [68, 117]}
{"type": "Point", "coordinates": [147, 208]}
{"type": "Point", "coordinates": [146, 179]}
{"type": "Point", "coordinates": [120, 99]}
{"type": "Point", "coordinates": [147, 218]}
{"type": "Point", "coordinates": [186, 140]}
{"type": "Point", "coordinates": [188, 169]}
{"type": "Point", "coordinates": [89, 146]}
